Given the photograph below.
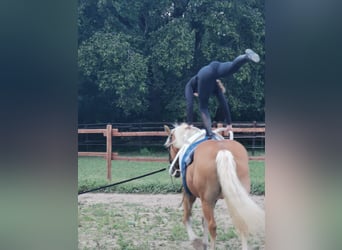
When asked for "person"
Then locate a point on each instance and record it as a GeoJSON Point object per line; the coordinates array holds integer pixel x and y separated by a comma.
{"type": "Point", "coordinates": [205, 83]}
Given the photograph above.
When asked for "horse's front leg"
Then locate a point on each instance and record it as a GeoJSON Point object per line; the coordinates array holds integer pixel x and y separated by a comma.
{"type": "Point", "coordinates": [188, 201]}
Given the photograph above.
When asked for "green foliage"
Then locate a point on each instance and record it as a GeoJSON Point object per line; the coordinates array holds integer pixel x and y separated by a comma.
{"type": "Point", "coordinates": [135, 57]}
{"type": "Point", "coordinates": [173, 47]}
{"type": "Point", "coordinates": [114, 65]}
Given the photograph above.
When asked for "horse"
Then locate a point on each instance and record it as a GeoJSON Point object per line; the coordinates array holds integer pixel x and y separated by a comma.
{"type": "Point", "coordinates": [219, 170]}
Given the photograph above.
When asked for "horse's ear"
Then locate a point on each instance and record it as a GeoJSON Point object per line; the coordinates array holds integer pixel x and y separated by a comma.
{"type": "Point", "coordinates": [167, 129]}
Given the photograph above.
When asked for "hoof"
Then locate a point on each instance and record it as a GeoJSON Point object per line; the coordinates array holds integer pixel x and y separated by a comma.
{"type": "Point", "coordinates": [198, 244]}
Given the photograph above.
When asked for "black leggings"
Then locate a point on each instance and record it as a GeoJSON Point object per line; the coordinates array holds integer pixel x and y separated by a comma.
{"type": "Point", "coordinates": [204, 83]}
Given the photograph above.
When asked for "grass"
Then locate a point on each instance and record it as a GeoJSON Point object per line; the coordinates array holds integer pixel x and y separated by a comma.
{"type": "Point", "coordinates": [123, 227]}
{"type": "Point", "coordinates": [257, 173]}
{"type": "Point", "coordinates": [92, 173]}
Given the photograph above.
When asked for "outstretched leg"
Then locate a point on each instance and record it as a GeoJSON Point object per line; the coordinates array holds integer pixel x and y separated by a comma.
{"type": "Point", "coordinates": [229, 68]}
{"type": "Point", "coordinates": [208, 213]}
{"type": "Point", "coordinates": [188, 201]}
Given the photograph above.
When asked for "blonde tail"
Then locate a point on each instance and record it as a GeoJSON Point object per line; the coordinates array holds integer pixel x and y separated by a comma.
{"type": "Point", "coordinates": [247, 216]}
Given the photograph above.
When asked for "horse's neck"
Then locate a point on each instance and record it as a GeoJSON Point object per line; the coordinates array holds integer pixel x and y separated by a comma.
{"type": "Point", "coordinates": [185, 133]}
{"type": "Point", "coordinates": [188, 139]}
{"type": "Point", "coordinates": [192, 137]}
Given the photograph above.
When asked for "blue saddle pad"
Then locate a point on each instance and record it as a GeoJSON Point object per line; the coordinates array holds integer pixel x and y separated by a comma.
{"type": "Point", "coordinates": [187, 159]}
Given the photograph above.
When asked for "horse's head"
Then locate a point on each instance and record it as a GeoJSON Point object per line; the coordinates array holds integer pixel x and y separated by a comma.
{"type": "Point", "coordinates": [174, 142]}
{"type": "Point", "coordinates": [173, 150]}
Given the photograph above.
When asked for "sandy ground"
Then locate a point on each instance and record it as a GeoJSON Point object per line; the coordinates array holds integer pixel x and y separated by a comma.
{"type": "Point", "coordinates": [168, 200]}
{"type": "Point", "coordinates": [91, 236]}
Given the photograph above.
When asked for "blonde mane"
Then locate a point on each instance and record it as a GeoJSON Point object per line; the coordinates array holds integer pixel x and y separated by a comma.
{"type": "Point", "coordinates": [183, 132]}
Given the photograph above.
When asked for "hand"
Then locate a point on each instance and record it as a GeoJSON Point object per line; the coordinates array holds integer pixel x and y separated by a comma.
{"type": "Point", "coordinates": [227, 129]}
{"type": "Point", "coordinates": [220, 84]}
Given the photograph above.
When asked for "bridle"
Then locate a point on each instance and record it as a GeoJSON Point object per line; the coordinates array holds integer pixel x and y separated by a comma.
{"type": "Point", "coordinates": [174, 169]}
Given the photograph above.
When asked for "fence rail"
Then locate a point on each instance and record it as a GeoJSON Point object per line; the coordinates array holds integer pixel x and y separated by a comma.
{"type": "Point", "coordinates": [110, 132]}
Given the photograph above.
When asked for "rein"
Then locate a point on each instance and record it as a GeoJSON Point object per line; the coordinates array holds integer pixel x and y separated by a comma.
{"type": "Point", "coordinates": [173, 173]}
{"type": "Point", "coordinates": [190, 140]}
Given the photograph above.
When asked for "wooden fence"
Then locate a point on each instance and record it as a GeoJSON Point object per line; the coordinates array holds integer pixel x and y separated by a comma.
{"type": "Point", "coordinates": [109, 133]}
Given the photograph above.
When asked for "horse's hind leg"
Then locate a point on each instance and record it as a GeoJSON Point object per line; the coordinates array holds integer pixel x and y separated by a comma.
{"type": "Point", "coordinates": [244, 244]}
{"type": "Point", "coordinates": [208, 213]}
{"type": "Point", "coordinates": [187, 206]}
{"type": "Point", "coordinates": [205, 232]}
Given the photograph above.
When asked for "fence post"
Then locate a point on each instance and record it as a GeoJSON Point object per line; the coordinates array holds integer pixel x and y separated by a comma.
{"type": "Point", "coordinates": [109, 151]}
{"type": "Point", "coordinates": [253, 140]}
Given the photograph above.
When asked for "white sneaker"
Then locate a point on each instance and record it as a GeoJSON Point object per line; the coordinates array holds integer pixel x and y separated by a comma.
{"type": "Point", "coordinates": [252, 55]}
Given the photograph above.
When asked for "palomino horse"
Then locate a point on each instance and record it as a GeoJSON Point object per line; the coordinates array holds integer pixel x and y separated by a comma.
{"type": "Point", "coordinates": [219, 170]}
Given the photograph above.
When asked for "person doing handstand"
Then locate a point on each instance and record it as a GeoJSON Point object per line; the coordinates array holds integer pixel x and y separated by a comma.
{"type": "Point", "coordinates": [205, 83]}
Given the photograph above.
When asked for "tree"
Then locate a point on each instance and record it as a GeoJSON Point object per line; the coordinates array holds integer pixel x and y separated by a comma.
{"type": "Point", "coordinates": [115, 67]}
{"type": "Point", "coordinates": [135, 57]}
